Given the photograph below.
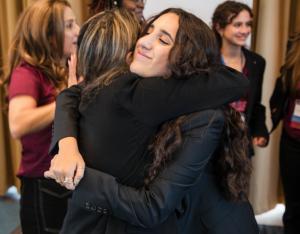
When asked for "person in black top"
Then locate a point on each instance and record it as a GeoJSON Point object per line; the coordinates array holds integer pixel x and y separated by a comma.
{"type": "Point", "coordinates": [118, 121]}
{"type": "Point", "coordinates": [285, 105]}
{"type": "Point", "coordinates": [232, 24]}
{"type": "Point", "coordinates": [135, 6]}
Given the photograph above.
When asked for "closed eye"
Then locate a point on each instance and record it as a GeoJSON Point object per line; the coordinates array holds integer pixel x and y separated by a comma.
{"type": "Point", "coordinates": [163, 41]}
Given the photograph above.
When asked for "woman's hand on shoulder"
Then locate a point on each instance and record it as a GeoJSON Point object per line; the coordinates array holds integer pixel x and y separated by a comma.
{"type": "Point", "coordinates": [72, 79]}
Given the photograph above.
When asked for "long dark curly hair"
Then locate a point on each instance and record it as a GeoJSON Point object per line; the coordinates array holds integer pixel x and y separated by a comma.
{"type": "Point", "coordinates": [196, 50]}
{"type": "Point", "coordinates": [231, 163]}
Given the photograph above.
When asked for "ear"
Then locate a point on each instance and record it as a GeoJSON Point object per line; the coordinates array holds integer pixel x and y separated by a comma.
{"type": "Point", "coordinates": [129, 57]}
{"type": "Point", "coordinates": [219, 30]}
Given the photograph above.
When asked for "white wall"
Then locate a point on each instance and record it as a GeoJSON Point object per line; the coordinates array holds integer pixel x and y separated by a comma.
{"type": "Point", "coordinates": [202, 8]}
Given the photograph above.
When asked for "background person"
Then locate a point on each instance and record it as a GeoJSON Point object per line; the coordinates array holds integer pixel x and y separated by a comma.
{"type": "Point", "coordinates": [232, 24]}
{"type": "Point", "coordinates": [285, 104]}
{"type": "Point", "coordinates": [45, 37]}
{"type": "Point", "coordinates": [135, 6]}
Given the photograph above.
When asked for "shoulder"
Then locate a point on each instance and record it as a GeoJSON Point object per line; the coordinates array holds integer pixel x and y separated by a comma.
{"type": "Point", "coordinates": [126, 77]}
{"type": "Point", "coordinates": [255, 57]}
{"type": "Point", "coordinates": [26, 73]}
{"type": "Point", "coordinates": [211, 118]}
{"type": "Point", "coordinates": [25, 70]}
{"type": "Point", "coordinates": [25, 80]}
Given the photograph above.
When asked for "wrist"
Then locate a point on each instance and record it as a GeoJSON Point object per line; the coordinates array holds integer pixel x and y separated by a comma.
{"type": "Point", "coordinates": [68, 145]}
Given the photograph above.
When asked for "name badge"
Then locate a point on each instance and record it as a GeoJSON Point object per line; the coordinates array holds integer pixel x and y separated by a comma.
{"type": "Point", "coordinates": [295, 120]}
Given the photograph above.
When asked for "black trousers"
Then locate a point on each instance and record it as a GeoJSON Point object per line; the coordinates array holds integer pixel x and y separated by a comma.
{"type": "Point", "coordinates": [290, 174]}
{"type": "Point", "coordinates": [43, 205]}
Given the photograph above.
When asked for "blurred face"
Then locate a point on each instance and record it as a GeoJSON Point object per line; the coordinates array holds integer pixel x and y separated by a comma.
{"type": "Point", "coordinates": [135, 6]}
{"type": "Point", "coordinates": [71, 31]}
{"type": "Point", "coordinates": [237, 32]}
{"type": "Point", "coordinates": [151, 55]}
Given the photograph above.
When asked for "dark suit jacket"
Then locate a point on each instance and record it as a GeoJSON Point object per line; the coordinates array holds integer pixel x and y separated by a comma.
{"type": "Point", "coordinates": [115, 128]}
{"type": "Point", "coordinates": [255, 112]}
{"type": "Point", "coordinates": [185, 195]}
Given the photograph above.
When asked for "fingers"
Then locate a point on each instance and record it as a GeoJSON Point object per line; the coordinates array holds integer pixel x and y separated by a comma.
{"type": "Point", "coordinates": [72, 62]}
{"type": "Point", "coordinates": [49, 175]}
{"type": "Point", "coordinates": [56, 170]}
{"type": "Point", "coordinates": [259, 141]}
{"type": "Point", "coordinates": [68, 183]}
{"type": "Point", "coordinates": [67, 171]}
{"type": "Point", "coordinates": [80, 79]}
{"type": "Point", "coordinates": [79, 174]}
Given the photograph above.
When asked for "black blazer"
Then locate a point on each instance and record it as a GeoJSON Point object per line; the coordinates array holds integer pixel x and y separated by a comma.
{"type": "Point", "coordinates": [280, 97]}
{"type": "Point", "coordinates": [255, 112]}
{"type": "Point", "coordinates": [116, 127]}
{"type": "Point", "coordinates": [185, 198]}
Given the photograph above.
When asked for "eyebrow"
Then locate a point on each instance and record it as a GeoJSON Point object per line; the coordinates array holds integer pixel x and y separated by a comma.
{"type": "Point", "coordinates": [67, 21]}
{"type": "Point", "coordinates": [163, 32]}
{"type": "Point", "coordinates": [167, 34]}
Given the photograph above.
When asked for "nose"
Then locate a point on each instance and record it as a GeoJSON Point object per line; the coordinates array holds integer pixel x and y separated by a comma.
{"type": "Point", "coordinates": [146, 41]}
{"type": "Point", "coordinates": [77, 28]}
{"type": "Point", "coordinates": [246, 29]}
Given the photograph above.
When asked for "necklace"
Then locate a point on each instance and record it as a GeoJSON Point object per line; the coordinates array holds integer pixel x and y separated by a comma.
{"type": "Point", "coordinates": [238, 64]}
{"type": "Point", "coordinates": [242, 61]}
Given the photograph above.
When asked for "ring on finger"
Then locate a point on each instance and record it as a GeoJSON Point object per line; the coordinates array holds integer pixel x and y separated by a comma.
{"type": "Point", "coordinates": [68, 180]}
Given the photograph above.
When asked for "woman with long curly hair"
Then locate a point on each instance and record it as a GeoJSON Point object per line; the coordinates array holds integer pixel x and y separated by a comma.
{"type": "Point", "coordinates": [118, 119]}
{"type": "Point", "coordinates": [45, 37]}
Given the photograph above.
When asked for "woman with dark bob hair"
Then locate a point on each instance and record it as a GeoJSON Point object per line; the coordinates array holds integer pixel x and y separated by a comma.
{"type": "Point", "coordinates": [135, 6]}
{"type": "Point", "coordinates": [118, 122]}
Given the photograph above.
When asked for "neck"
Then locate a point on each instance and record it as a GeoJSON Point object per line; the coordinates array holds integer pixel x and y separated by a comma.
{"type": "Point", "coordinates": [233, 56]}
{"type": "Point", "coordinates": [231, 51]}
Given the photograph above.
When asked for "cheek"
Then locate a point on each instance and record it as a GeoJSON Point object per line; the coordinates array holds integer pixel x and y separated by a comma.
{"type": "Point", "coordinates": [69, 47]}
{"type": "Point", "coordinates": [162, 59]}
{"type": "Point", "coordinates": [129, 6]}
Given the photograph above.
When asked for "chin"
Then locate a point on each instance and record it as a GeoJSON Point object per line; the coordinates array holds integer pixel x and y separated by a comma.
{"type": "Point", "coordinates": [136, 68]}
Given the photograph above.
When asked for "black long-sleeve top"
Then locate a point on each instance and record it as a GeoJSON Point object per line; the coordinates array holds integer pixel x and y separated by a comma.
{"type": "Point", "coordinates": [116, 127]}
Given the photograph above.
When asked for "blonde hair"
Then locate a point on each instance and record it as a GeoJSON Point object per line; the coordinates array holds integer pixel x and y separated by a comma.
{"type": "Point", "coordinates": [103, 45]}
{"type": "Point", "coordinates": [39, 40]}
{"type": "Point", "coordinates": [292, 62]}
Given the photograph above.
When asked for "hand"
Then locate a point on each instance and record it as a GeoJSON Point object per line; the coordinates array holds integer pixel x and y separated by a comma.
{"type": "Point", "coordinates": [67, 170]}
{"type": "Point", "coordinates": [259, 141]}
{"type": "Point", "coordinates": [72, 79]}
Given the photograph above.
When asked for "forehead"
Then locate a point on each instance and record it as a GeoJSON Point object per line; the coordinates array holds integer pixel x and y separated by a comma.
{"type": "Point", "coordinates": [68, 13]}
{"type": "Point", "coordinates": [243, 15]}
{"type": "Point", "coordinates": [168, 22]}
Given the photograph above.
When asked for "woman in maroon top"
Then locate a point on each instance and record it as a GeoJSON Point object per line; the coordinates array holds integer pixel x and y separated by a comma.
{"type": "Point", "coordinates": [45, 37]}
{"type": "Point", "coordinates": [232, 24]}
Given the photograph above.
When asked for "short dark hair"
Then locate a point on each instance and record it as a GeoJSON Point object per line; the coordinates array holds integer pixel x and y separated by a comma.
{"type": "Point", "coordinates": [96, 6]}
{"type": "Point", "coordinates": [225, 13]}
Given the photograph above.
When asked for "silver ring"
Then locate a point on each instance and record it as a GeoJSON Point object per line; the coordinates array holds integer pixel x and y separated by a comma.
{"type": "Point", "coordinates": [67, 180]}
